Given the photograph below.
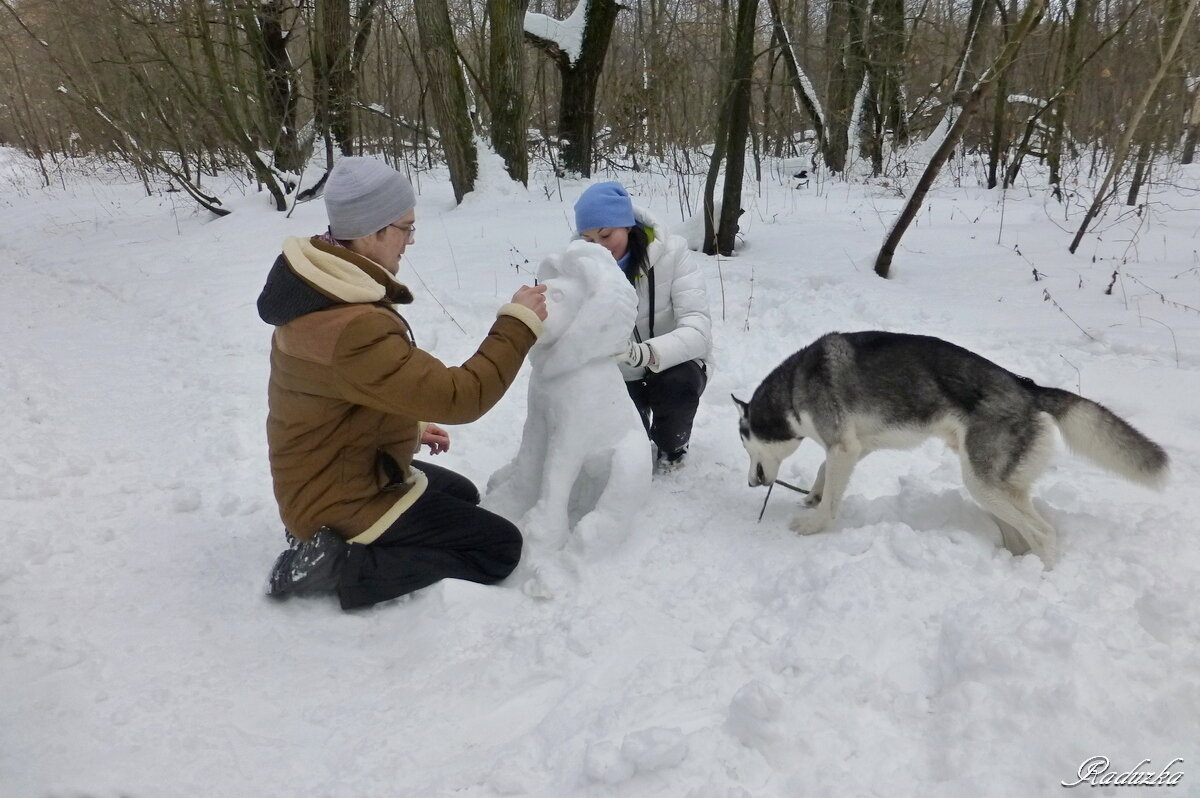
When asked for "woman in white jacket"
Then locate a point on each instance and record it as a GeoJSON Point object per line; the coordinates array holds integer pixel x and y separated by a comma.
{"type": "Point", "coordinates": [665, 367]}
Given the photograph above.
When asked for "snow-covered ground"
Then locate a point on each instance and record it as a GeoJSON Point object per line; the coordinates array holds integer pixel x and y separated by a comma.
{"type": "Point", "coordinates": [901, 653]}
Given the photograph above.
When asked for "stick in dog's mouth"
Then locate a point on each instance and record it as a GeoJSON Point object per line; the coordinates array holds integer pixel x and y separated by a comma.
{"type": "Point", "coordinates": [768, 496]}
{"type": "Point", "coordinates": [790, 487]}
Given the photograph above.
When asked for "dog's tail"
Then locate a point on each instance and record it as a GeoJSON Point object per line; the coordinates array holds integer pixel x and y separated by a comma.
{"type": "Point", "coordinates": [1095, 432]}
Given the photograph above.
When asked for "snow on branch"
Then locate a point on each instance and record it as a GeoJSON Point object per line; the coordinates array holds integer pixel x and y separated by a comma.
{"type": "Point", "coordinates": [802, 78]}
{"type": "Point", "coordinates": [1025, 98]}
{"type": "Point", "coordinates": [566, 34]}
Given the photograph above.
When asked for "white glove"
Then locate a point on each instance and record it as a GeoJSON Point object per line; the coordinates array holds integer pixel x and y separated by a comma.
{"type": "Point", "coordinates": [637, 355]}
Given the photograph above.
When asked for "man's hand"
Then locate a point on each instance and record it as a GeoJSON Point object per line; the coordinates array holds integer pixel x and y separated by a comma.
{"type": "Point", "coordinates": [436, 438]}
{"type": "Point", "coordinates": [532, 297]}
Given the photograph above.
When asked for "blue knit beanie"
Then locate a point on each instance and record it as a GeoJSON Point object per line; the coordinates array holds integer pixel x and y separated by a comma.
{"type": "Point", "coordinates": [604, 205]}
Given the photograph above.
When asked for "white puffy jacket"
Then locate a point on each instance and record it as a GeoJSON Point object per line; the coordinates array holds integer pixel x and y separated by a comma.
{"type": "Point", "coordinates": [682, 328]}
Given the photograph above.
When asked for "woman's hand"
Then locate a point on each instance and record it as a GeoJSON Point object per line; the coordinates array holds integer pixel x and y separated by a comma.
{"type": "Point", "coordinates": [436, 438]}
{"type": "Point", "coordinates": [637, 354]}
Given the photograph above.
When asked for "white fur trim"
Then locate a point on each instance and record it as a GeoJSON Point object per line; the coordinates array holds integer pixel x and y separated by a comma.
{"type": "Point", "coordinates": [330, 274]}
{"type": "Point", "coordinates": [524, 314]}
{"type": "Point", "coordinates": [417, 482]}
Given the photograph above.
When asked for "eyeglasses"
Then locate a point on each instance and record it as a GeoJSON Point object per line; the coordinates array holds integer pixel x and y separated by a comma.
{"type": "Point", "coordinates": [409, 229]}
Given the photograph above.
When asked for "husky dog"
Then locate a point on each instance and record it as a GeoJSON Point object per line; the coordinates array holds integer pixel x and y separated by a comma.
{"type": "Point", "coordinates": [857, 392]}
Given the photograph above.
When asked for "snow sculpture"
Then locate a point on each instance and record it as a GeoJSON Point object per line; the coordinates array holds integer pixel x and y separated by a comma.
{"type": "Point", "coordinates": [583, 467]}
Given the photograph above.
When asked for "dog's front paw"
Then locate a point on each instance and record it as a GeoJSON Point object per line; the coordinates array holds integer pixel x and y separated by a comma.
{"type": "Point", "coordinates": [809, 523]}
{"type": "Point", "coordinates": [812, 499]}
{"type": "Point", "coordinates": [550, 580]}
{"type": "Point", "coordinates": [544, 527]}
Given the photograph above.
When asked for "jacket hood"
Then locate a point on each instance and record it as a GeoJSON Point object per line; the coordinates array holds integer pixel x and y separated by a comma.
{"type": "Point", "coordinates": [647, 220]}
{"type": "Point", "coordinates": [312, 275]}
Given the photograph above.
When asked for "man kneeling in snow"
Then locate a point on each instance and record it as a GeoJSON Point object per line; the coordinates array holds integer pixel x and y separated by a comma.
{"type": "Point", "coordinates": [349, 396]}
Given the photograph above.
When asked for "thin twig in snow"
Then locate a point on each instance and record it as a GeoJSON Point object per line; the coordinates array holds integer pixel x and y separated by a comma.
{"type": "Point", "coordinates": [1162, 297]}
{"type": "Point", "coordinates": [1171, 331]}
{"type": "Point", "coordinates": [750, 302]}
{"type": "Point", "coordinates": [721, 278]}
{"type": "Point", "coordinates": [408, 262]}
{"type": "Point", "coordinates": [1078, 375]}
{"type": "Point", "coordinates": [450, 246]}
{"type": "Point", "coordinates": [1047, 298]}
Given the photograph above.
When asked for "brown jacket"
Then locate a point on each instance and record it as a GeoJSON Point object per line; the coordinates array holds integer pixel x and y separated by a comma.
{"type": "Point", "coordinates": [349, 385]}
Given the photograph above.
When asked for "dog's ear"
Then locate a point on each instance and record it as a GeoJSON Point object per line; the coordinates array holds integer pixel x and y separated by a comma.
{"type": "Point", "coordinates": [743, 408]}
{"type": "Point", "coordinates": [549, 268]}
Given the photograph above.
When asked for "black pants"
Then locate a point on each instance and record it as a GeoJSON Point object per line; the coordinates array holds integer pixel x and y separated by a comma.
{"type": "Point", "coordinates": [444, 535]}
{"type": "Point", "coordinates": [667, 401]}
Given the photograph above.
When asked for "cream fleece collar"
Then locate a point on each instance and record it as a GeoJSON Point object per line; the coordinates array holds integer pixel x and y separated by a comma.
{"type": "Point", "coordinates": [341, 274]}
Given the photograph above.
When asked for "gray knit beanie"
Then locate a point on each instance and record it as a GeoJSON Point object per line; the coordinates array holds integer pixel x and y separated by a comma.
{"type": "Point", "coordinates": [365, 195]}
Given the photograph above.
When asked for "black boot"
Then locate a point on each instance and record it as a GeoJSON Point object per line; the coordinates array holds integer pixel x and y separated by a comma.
{"type": "Point", "coordinates": [310, 566]}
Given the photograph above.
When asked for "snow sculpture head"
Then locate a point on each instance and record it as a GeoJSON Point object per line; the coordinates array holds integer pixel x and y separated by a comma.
{"type": "Point", "coordinates": [590, 307]}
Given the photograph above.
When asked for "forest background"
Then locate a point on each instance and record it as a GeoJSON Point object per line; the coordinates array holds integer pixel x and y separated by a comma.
{"type": "Point", "coordinates": [183, 90]}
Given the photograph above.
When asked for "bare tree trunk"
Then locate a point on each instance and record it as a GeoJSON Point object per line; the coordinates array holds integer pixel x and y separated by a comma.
{"type": "Point", "coordinates": [996, 140]}
{"type": "Point", "coordinates": [269, 35]}
{"type": "Point", "coordinates": [802, 88]}
{"type": "Point", "coordinates": [577, 106]}
{"type": "Point", "coordinates": [234, 116]}
{"type": "Point", "coordinates": [884, 60]}
{"type": "Point", "coordinates": [846, 27]}
{"type": "Point", "coordinates": [507, 85]}
{"type": "Point", "coordinates": [770, 113]}
{"type": "Point", "coordinates": [1122, 148]}
{"type": "Point", "coordinates": [1058, 103]}
{"type": "Point", "coordinates": [1030, 18]}
{"type": "Point", "coordinates": [739, 123]}
{"type": "Point", "coordinates": [999, 109]}
{"type": "Point", "coordinates": [1141, 166]}
{"type": "Point", "coordinates": [338, 43]}
{"type": "Point", "coordinates": [331, 65]}
{"type": "Point", "coordinates": [720, 139]}
{"type": "Point", "coordinates": [888, 48]}
{"type": "Point", "coordinates": [1054, 152]}
{"type": "Point", "coordinates": [969, 65]}
{"type": "Point", "coordinates": [24, 115]}
{"type": "Point", "coordinates": [1193, 129]}
{"type": "Point", "coordinates": [449, 94]}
